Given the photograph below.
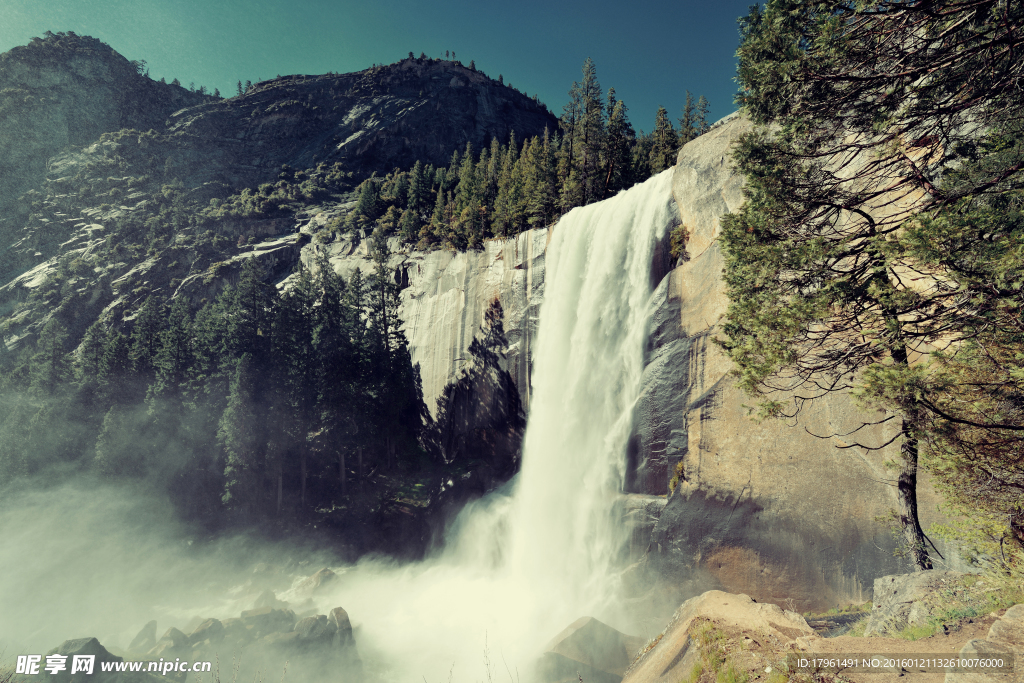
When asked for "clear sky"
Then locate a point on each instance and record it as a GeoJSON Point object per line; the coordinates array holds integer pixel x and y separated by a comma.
{"type": "Point", "coordinates": [650, 51]}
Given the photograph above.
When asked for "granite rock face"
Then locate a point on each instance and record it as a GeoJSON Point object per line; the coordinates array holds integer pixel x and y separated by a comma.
{"type": "Point", "coordinates": [377, 119]}
{"type": "Point", "coordinates": [768, 509]}
{"type": "Point", "coordinates": [59, 98]}
{"type": "Point", "coordinates": [69, 90]}
{"type": "Point", "coordinates": [905, 600]}
{"type": "Point", "coordinates": [446, 295]}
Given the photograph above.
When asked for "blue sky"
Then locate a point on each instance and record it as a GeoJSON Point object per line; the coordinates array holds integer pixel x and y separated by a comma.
{"type": "Point", "coordinates": [650, 52]}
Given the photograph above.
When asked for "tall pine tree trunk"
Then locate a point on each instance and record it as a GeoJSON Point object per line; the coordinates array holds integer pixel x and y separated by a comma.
{"type": "Point", "coordinates": [906, 486]}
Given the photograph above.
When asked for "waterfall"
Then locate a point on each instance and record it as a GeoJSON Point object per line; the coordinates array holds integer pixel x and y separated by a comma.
{"type": "Point", "coordinates": [519, 568]}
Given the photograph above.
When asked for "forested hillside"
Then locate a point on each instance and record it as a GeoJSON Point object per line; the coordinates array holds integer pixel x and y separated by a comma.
{"type": "Point", "coordinates": [158, 323]}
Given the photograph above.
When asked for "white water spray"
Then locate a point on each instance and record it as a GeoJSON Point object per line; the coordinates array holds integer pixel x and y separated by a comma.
{"type": "Point", "coordinates": [519, 569]}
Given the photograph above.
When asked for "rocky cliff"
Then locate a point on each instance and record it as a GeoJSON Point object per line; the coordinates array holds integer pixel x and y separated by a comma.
{"type": "Point", "coordinates": [776, 510]}
{"type": "Point", "coordinates": [67, 90]}
{"type": "Point", "coordinates": [119, 170]}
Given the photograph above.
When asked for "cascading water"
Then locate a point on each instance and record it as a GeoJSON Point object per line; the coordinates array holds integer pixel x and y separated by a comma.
{"type": "Point", "coordinates": [520, 568]}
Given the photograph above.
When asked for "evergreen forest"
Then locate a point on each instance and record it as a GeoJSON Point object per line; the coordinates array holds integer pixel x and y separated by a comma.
{"type": "Point", "coordinates": [277, 408]}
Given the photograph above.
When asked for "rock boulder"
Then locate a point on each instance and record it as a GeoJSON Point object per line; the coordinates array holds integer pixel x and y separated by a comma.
{"type": "Point", "coordinates": [145, 639]}
{"type": "Point", "coordinates": [902, 600]}
{"type": "Point", "coordinates": [587, 648]}
{"type": "Point", "coordinates": [672, 657]}
{"type": "Point", "coordinates": [1005, 638]}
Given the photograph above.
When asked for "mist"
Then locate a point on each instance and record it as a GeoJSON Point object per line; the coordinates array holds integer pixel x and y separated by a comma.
{"type": "Point", "coordinates": [517, 566]}
{"type": "Point", "coordinates": [91, 559]}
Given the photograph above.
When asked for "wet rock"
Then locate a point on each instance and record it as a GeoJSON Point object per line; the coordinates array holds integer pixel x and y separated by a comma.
{"type": "Point", "coordinates": [236, 632]}
{"type": "Point", "coordinates": [145, 639]}
{"type": "Point", "coordinates": [316, 581]}
{"type": "Point", "coordinates": [587, 648]}
{"type": "Point", "coordinates": [69, 649]}
{"type": "Point", "coordinates": [267, 620]}
{"type": "Point", "coordinates": [268, 599]}
{"type": "Point", "coordinates": [342, 628]}
{"type": "Point", "coordinates": [211, 630]}
{"type": "Point", "coordinates": [281, 641]}
{"type": "Point", "coordinates": [173, 643]}
{"type": "Point", "coordinates": [316, 631]}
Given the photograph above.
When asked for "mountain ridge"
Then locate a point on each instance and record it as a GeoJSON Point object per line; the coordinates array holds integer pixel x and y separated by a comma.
{"type": "Point", "coordinates": [126, 199]}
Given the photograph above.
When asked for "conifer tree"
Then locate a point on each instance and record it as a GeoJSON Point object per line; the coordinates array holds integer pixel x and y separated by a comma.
{"type": "Point", "coordinates": [619, 138]}
{"type": "Point", "coordinates": [89, 362]}
{"type": "Point", "coordinates": [590, 135]}
{"type": "Point", "coordinates": [702, 123]}
{"type": "Point", "coordinates": [145, 337]}
{"type": "Point", "coordinates": [50, 366]}
{"type": "Point", "coordinates": [568, 160]}
{"type": "Point", "coordinates": [419, 189]}
{"type": "Point", "coordinates": [886, 136]}
{"type": "Point", "coordinates": [539, 186]}
{"type": "Point", "coordinates": [409, 226]}
{"type": "Point", "coordinates": [688, 124]}
{"type": "Point", "coordinates": [663, 143]}
{"type": "Point", "coordinates": [242, 439]}
{"type": "Point", "coordinates": [296, 378]}
{"type": "Point", "coordinates": [175, 358]}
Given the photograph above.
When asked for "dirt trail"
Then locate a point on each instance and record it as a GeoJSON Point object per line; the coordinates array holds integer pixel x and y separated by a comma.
{"type": "Point", "coordinates": [940, 644]}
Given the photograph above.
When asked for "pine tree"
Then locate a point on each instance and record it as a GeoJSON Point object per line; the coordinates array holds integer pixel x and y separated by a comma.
{"type": "Point", "coordinates": [688, 125]}
{"type": "Point", "coordinates": [619, 139]}
{"type": "Point", "coordinates": [568, 160]}
{"type": "Point", "coordinates": [248, 314]}
{"type": "Point", "coordinates": [89, 362]}
{"type": "Point", "coordinates": [296, 380]}
{"type": "Point", "coordinates": [467, 190]}
{"type": "Point", "coordinates": [539, 185]}
{"type": "Point", "coordinates": [49, 363]}
{"type": "Point", "coordinates": [438, 225]}
{"type": "Point", "coordinates": [409, 226]}
{"type": "Point", "coordinates": [702, 115]}
{"type": "Point", "coordinates": [240, 435]}
{"type": "Point", "coordinates": [590, 130]}
{"type": "Point", "coordinates": [419, 189]}
{"type": "Point", "coordinates": [175, 358]}
{"type": "Point", "coordinates": [860, 176]}
{"type": "Point", "coordinates": [145, 338]}
{"type": "Point", "coordinates": [664, 143]}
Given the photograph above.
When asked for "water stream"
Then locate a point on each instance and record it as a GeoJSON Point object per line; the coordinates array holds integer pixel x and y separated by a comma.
{"type": "Point", "coordinates": [519, 565]}
{"type": "Point", "coordinates": [519, 568]}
